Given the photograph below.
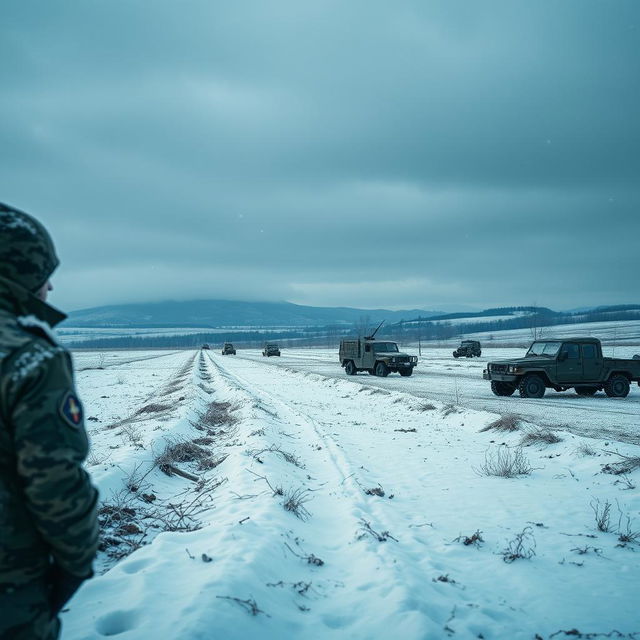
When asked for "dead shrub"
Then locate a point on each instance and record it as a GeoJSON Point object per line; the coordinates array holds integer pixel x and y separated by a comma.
{"type": "Point", "coordinates": [473, 540]}
{"type": "Point", "coordinates": [523, 546]}
{"type": "Point", "coordinates": [294, 501]}
{"type": "Point", "coordinates": [427, 406]}
{"type": "Point", "coordinates": [218, 414]}
{"type": "Point", "coordinates": [181, 451]}
{"type": "Point", "coordinates": [540, 436]}
{"type": "Point", "coordinates": [153, 408]}
{"type": "Point", "coordinates": [506, 422]}
{"type": "Point", "coordinates": [585, 450]}
{"type": "Point", "coordinates": [602, 515]}
{"type": "Point", "coordinates": [505, 463]}
{"type": "Point", "coordinates": [626, 465]}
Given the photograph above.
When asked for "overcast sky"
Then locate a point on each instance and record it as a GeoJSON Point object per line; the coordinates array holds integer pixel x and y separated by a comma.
{"type": "Point", "coordinates": [360, 153]}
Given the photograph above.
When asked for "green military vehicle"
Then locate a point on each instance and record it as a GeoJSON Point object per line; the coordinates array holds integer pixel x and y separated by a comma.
{"type": "Point", "coordinates": [379, 358]}
{"type": "Point", "coordinates": [571, 363]}
{"type": "Point", "coordinates": [270, 349]}
{"type": "Point", "coordinates": [468, 349]}
{"type": "Point", "coordinates": [228, 349]}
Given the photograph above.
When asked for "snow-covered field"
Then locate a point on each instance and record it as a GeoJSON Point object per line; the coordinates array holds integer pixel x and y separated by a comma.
{"type": "Point", "coordinates": [312, 505]}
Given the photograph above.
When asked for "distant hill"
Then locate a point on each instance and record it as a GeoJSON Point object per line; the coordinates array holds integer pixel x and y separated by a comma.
{"type": "Point", "coordinates": [229, 313]}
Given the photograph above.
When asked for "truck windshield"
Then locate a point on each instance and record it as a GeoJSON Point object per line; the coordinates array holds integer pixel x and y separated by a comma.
{"type": "Point", "coordinates": [549, 349]}
{"type": "Point", "coordinates": [385, 347]}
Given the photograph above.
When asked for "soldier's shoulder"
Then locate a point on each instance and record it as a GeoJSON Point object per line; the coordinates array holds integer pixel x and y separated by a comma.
{"type": "Point", "coordinates": [18, 331]}
{"type": "Point", "coordinates": [25, 345]}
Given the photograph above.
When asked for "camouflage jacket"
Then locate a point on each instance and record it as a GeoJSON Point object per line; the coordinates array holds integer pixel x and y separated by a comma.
{"type": "Point", "coordinates": [47, 503]}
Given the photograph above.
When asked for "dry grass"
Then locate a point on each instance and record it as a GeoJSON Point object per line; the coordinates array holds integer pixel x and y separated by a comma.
{"type": "Point", "coordinates": [505, 463]}
{"type": "Point", "coordinates": [186, 451]}
{"type": "Point", "coordinates": [628, 464]}
{"type": "Point", "coordinates": [540, 436]}
{"type": "Point", "coordinates": [506, 422]}
{"type": "Point", "coordinates": [218, 414]}
{"type": "Point", "coordinates": [585, 450]}
{"type": "Point", "coordinates": [154, 407]}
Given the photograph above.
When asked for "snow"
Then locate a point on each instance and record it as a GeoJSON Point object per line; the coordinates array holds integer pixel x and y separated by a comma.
{"type": "Point", "coordinates": [392, 564]}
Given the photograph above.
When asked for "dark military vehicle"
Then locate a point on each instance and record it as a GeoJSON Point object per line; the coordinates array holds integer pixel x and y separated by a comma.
{"type": "Point", "coordinates": [572, 363]}
{"type": "Point", "coordinates": [206, 345]}
{"type": "Point", "coordinates": [270, 349]}
{"type": "Point", "coordinates": [228, 350]}
{"type": "Point", "coordinates": [379, 358]}
{"type": "Point", "coordinates": [468, 349]}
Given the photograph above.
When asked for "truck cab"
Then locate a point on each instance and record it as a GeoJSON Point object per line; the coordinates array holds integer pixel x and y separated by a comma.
{"type": "Point", "coordinates": [570, 363]}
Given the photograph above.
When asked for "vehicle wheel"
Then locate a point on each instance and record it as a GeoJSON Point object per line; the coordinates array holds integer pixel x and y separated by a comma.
{"type": "Point", "coordinates": [469, 355]}
{"type": "Point", "coordinates": [531, 386]}
{"type": "Point", "coordinates": [586, 391]}
{"type": "Point", "coordinates": [502, 388]}
{"type": "Point", "coordinates": [381, 370]}
{"type": "Point", "coordinates": [617, 386]}
{"type": "Point", "coordinates": [455, 355]}
{"type": "Point", "coordinates": [405, 373]}
{"type": "Point", "coordinates": [479, 354]}
{"type": "Point", "coordinates": [350, 368]}
{"type": "Point", "coordinates": [371, 372]}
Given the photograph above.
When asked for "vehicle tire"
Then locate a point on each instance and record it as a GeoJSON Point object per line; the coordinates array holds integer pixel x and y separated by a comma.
{"type": "Point", "coordinates": [586, 391]}
{"type": "Point", "coordinates": [479, 354]}
{"type": "Point", "coordinates": [617, 386]}
{"type": "Point", "coordinates": [455, 355]}
{"type": "Point", "coordinates": [531, 386]}
{"type": "Point", "coordinates": [405, 373]}
{"type": "Point", "coordinates": [350, 368]}
{"type": "Point", "coordinates": [469, 355]}
{"type": "Point", "coordinates": [371, 372]}
{"type": "Point", "coordinates": [381, 370]}
{"type": "Point", "coordinates": [502, 388]}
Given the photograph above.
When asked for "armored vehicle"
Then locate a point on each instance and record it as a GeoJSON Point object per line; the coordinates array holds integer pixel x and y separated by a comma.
{"type": "Point", "coordinates": [270, 349]}
{"type": "Point", "coordinates": [468, 349]}
{"type": "Point", "coordinates": [379, 358]}
{"type": "Point", "coordinates": [206, 345]}
{"type": "Point", "coordinates": [228, 350]}
{"type": "Point", "coordinates": [572, 363]}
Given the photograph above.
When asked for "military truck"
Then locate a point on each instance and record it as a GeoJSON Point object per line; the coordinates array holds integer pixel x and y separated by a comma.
{"type": "Point", "coordinates": [569, 363]}
{"type": "Point", "coordinates": [206, 345]}
{"type": "Point", "coordinates": [228, 350]}
{"type": "Point", "coordinates": [379, 358]}
{"type": "Point", "coordinates": [270, 349]}
{"type": "Point", "coordinates": [468, 349]}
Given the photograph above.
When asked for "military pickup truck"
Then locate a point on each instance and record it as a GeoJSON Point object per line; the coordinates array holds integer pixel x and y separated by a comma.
{"type": "Point", "coordinates": [571, 363]}
{"type": "Point", "coordinates": [270, 349]}
{"type": "Point", "coordinates": [228, 349]}
{"type": "Point", "coordinates": [379, 358]}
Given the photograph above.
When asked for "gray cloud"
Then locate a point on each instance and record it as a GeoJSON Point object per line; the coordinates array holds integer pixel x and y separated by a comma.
{"type": "Point", "coordinates": [420, 154]}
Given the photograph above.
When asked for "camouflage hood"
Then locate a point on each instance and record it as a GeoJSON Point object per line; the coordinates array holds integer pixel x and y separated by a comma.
{"type": "Point", "coordinates": [27, 260]}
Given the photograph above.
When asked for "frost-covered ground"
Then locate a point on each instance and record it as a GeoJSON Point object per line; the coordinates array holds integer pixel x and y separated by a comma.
{"type": "Point", "coordinates": [312, 506]}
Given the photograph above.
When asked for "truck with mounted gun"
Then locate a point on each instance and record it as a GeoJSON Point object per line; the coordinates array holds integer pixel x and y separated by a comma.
{"type": "Point", "coordinates": [562, 364]}
{"type": "Point", "coordinates": [379, 358]}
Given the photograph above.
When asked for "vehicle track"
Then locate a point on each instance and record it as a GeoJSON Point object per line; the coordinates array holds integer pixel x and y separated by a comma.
{"type": "Point", "coordinates": [405, 565]}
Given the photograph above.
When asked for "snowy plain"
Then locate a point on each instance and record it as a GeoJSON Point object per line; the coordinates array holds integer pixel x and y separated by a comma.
{"type": "Point", "coordinates": [320, 506]}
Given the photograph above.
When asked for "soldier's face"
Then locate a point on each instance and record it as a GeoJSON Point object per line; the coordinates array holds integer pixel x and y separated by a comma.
{"type": "Point", "coordinates": [44, 290]}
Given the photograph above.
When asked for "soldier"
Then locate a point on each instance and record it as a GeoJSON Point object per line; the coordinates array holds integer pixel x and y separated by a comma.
{"type": "Point", "coordinates": [48, 524]}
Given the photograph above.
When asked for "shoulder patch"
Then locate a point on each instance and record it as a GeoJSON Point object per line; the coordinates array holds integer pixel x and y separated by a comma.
{"type": "Point", "coordinates": [71, 409]}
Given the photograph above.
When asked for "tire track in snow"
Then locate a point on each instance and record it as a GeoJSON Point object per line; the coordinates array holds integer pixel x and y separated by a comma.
{"type": "Point", "coordinates": [404, 566]}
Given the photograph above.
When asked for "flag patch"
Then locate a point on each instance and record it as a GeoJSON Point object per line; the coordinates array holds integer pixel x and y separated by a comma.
{"type": "Point", "coordinates": [71, 409]}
